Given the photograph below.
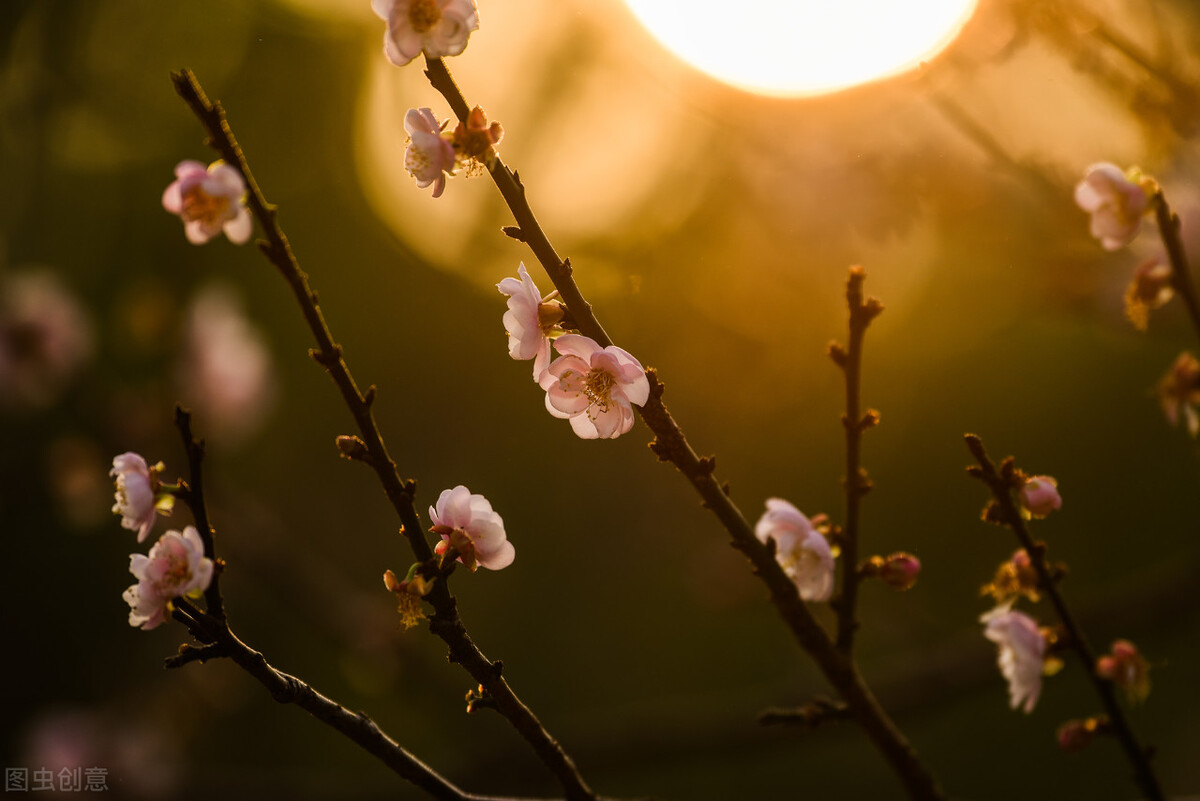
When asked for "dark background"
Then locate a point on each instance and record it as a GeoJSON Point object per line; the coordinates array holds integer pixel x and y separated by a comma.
{"type": "Point", "coordinates": [712, 229]}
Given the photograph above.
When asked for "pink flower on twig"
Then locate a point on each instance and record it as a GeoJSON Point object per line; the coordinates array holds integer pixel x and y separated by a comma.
{"type": "Point", "coordinates": [137, 493]}
{"type": "Point", "coordinates": [209, 200]}
{"type": "Point", "coordinates": [1115, 203]}
{"type": "Point", "coordinates": [176, 566]}
{"type": "Point", "coordinates": [436, 27]}
{"type": "Point", "coordinates": [1022, 653]}
{"type": "Point", "coordinates": [430, 154]}
{"type": "Point", "coordinates": [595, 388]}
{"type": "Point", "coordinates": [801, 550]}
{"type": "Point", "coordinates": [529, 321]}
{"type": "Point", "coordinates": [469, 527]}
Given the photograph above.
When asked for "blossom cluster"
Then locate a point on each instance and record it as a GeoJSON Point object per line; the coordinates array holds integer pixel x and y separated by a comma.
{"type": "Point", "coordinates": [176, 565]}
{"type": "Point", "coordinates": [593, 387]}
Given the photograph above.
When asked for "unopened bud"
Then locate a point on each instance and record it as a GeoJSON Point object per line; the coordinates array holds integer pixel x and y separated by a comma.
{"type": "Point", "coordinates": [1076, 735]}
{"type": "Point", "coordinates": [900, 570]}
{"type": "Point", "coordinates": [1039, 496]}
{"type": "Point", "coordinates": [351, 447]}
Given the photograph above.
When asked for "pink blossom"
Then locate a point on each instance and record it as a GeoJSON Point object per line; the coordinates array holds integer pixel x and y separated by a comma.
{"type": "Point", "coordinates": [528, 321]}
{"type": "Point", "coordinates": [595, 388]}
{"type": "Point", "coordinates": [1115, 203]}
{"type": "Point", "coordinates": [467, 524]}
{"type": "Point", "coordinates": [226, 370]}
{"type": "Point", "coordinates": [437, 27]}
{"type": "Point", "coordinates": [1039, 497]}
{"type": "Point", "coordinates": [801, 550]}
{"type": "Point", "coordinates": [1022, 653]}
{"type": "Point", "coordinates": [430, 154]}
{"type": "Point", "coordinates": [209, 201]}
{"type": "Point", "coordinates": [138, 498]}
{"type": "Point", "coordinates": [176, 566]}
{"type": "Point", "coordinates": [45, 337]}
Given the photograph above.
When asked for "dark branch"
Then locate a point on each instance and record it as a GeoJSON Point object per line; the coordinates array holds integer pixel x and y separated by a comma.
{"type": "Point", "coordinates": [1000, 484]}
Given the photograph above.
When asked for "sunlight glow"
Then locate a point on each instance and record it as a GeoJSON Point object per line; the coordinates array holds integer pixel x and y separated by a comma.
{"type": "Point", "coordinates": [803, 47]}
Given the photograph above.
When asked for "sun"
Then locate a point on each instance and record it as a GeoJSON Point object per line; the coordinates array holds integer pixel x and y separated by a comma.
{"type": "Point", "coordinates": [794, 48]}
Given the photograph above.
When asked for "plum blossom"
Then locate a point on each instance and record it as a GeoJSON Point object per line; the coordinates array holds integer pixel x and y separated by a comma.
{"type": "Point", "coordinates": [176, 566]}
{"type": "Point", "coordinates": [1115, 202]}
{"type": "Point", "coordinates": [45, 337]}
{"type": "Point", "coordinates": [209, 201]}
{"type": "Point", "coordinates": [469, 527]}
{"type": "Point", "coordinates": [139, 500]}
{"type": "Point", "coordinates": [900, 570]}
{"type": "Point", "coordinates": [226, 370]}
{"type": "Point", "coordinates": [595, 388]}
{"type": "Point", "coordinates": [530, 321]}
{"type": "Point", "coordinates": [436, 27]}
{"type": "Point", "coordinates": [800, 549]}
{"type": "Point", "coordinates": [1179, 391]}
{"type": "Point", "coordinates": [430, 155]}
{"type": "Point", "coordinates": [1039, 496]}
{"type": "Point", "coordinates": [1022, 653]}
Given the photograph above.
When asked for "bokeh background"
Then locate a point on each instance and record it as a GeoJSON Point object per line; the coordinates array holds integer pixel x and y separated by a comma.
{"type": "Point", "coordinates": [712, 229]}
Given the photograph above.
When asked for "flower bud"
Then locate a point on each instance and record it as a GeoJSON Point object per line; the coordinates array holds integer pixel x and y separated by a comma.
{"type": "Point", "coordinates": [900, 570]}
{"type": "Point", "coordinates": [351, 447]}
{"type": "Point", "coordinates": [1076, 735]}
{"type": "Point", "coordinates": [1039, 496]}
{"type": "Point", "coordinates": [1125, 667]}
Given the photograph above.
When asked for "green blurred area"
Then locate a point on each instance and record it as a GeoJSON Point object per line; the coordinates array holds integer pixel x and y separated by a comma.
{"type": "Point", "coordinates": [714, 241]}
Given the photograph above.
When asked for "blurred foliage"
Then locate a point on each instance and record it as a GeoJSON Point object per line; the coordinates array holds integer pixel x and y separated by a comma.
{"type": "Point", "coordinates": [712, 229]}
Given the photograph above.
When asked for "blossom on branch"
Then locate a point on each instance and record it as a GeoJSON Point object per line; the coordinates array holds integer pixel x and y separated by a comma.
{"type": "Point", "coordinates": [430, 154]}
{"type": "Point", "coordinates": [139, 500]}
{"type": "Point", "coordinates": [595, 388]}
{"type": "Point", "coordinates": [209, 201]}
{"type": "Point", "coordinates": [800, 549]}
{"type": "Point", "coordinates": [475, 140]}
{"type": "Point", "coordinates": [436, 27]}
{"type": "Point", "coordinates": [1039, 496]}
{"type": "Point", "coordinates": [1022, 653]}
{"type": "Point", "coordinates": [469, 527]}
{"type": "Point", "coordinates": [1115, 202]}
{"type": "Point", "coordinates": [530, 321]}
{"type": "Point", "coordinates": [176, 566]}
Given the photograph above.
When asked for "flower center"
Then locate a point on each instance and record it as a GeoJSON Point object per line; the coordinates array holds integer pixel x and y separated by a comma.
{"type": "Point", "coordinates": [597, 385]}
{"type": "Point", "coordinates": [178, 575]}
{"type": "Point", "coordinates": [199, 205]}
{"type": "Point", "coordinates": [423, 14]}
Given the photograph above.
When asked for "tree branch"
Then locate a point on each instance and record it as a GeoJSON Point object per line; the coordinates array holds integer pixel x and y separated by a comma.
{"type": "Point", "coordinates": [1008, 515]}
{"type": "Point", "coordinates": [446, 622]}
{"type": "Point", "coordinates": [670, 445]}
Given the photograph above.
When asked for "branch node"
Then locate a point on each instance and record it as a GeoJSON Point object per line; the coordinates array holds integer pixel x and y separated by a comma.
{"type": "Point", "coordinates": [515, 232]}
{"type": "Point", "coordinates": [369, 396]}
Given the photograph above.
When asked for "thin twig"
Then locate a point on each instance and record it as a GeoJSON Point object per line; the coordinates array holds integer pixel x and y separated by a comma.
{"type": "Point", "coordinates": [670, 445]}
{"type": "Point", "coordinates": [1181, 275]}
{"type": "Point", "coordinates": [193, 496]}
{"type": "Point", "coordinates": [446, 622]}
{"type": "Point", "coordinates": [287, 689]}
{"type": "Point", "coordinates": [856, 484]}
{"type": "Point", "coordinates": [1008, 514]}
